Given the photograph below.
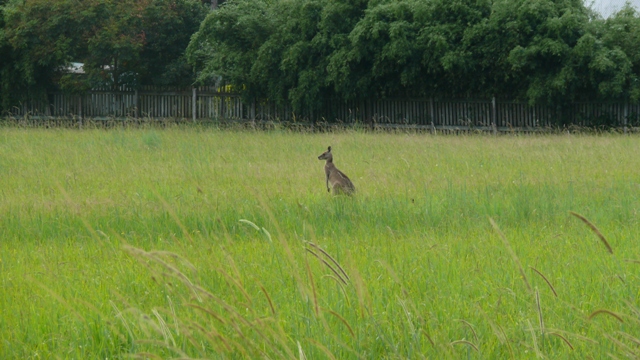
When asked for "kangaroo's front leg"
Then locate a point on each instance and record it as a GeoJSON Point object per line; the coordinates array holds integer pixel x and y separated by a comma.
{"type": "Point", "coordinates": [328, 190]}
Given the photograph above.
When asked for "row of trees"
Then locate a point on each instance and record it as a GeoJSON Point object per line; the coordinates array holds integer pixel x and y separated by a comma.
{"type": "Point", "coordinates": [124, 42]}
{"type": "Point", "coordinates": [304, 52]}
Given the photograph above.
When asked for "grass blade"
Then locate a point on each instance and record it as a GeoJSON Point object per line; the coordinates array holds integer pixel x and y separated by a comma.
{"type": "Point", "coordinates": [608, 312]}
{"type": "Point", "coordinates": [511, 252]}
{"type": "Point", "coordinates": [545, 279]}
{"type": "Point", "coordinates": [594, 229]}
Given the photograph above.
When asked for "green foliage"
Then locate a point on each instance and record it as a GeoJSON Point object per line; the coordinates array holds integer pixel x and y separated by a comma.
{"type": "Point", "coordinates": [127, 42]}
{"type": "Point", "coordinates": [5, 63]}
{"type": "Point", "coordinates": [113, 48]}
{"type": "Point", "coordinates": [246, 25]}
{"type": "Point", "coordinates": [40, 37]}
{"type": "Point", "coordinates": [168, 26]}
{"type": "Point", "coordinates": [304, 52]}
{"type": "Point", "coordinates": [275, 49]}
{"type": "Point", "coordinates": [416, 48]}
{"type": "Point", "coordinates": [620, 34]}
{"type": "Point", "coordinates": [549, 31]}
{"type": "Point", "coordinates": [141, 42]}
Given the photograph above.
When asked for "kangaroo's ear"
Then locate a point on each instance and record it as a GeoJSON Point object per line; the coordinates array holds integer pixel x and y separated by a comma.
{"type": "Point", "coordinates": [329, 148]}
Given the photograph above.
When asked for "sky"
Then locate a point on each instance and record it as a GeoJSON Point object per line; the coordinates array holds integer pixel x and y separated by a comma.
{"type": "Point", "coordinates": [608, 7]}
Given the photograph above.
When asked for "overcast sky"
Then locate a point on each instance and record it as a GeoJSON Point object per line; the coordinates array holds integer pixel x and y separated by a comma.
{"type": "Point", "coordinates": [608, 7]}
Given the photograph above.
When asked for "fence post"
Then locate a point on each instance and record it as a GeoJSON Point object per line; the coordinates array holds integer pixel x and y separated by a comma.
{"type": "Point", "coordinates": [48, 111]}
{"type": "Point", "coordinates": [493, 116]}
{"type": "Point", "coordinates": [193, 104]}
{"type": "Point", "coordinates": [222, 107]}
{"type": "Point", "coordinates": [135, 103]}
{"type": "Point", "coordinates": [80, 109]}
{"type": "Point", "coordinates": [431, 112]}
{"type": "Point", "coordinates": [626, 115]}
{"type": "Point", "coordinates": [253, 110]}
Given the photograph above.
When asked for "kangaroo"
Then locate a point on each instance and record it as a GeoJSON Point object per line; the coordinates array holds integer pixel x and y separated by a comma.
{"type": "Point", "coordinates": [340, 182]}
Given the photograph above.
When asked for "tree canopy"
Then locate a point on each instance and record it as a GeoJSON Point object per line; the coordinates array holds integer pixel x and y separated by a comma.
{"type": "Point", "coordinates": [301, 52]}
{"type": "Point", "coordinates": [125, 42]}
{"type": "Point", "coordinates": [305, 52]}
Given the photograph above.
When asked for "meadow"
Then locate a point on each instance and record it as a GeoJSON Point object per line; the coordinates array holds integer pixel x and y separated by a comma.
{"type": "Point", "coordinates": [210, 243]}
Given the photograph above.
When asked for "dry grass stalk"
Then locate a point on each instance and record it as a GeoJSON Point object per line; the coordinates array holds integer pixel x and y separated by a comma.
{"type": "Point", "coordinates": [362, 292]}
{"type": "Point", "coordinates": [426, 334]}
{"type": "Point", "coordinates": [289, 256]}
{"type": "Point", "coordinates": [59, 298]}
{"type": "Point", "coordinates": [328, 265]}
{"type": "Point", "coordinates": [145, 355]}
{"type": "Point", "coordinates": [468, 343]}
{"type": "Point", "coordinates": [498, 331]}
{"type": "Point", "coordinates": [232, 264]}
{"type": "Point", "coordinates": [540, 319]}
{"type": "Point", "coordinates": [535, 340]}
{"type": "Point", "coordinates": [301, 354]}
{"type": "Point", "coordinates": [562, 338]}
{"type": "Point", "coordinates": [237, 284]}
{"type": "Point", "coordinates": [545, 279]}
{"type": "Point", "coordinates": [213, 335]}
{"type": "Point", "coordinates": [208, 311]}
{"type": "Point", "coordinates": [609, 355]}
{"type": "Point", "coordinates": [282, 338]}
{"type": "Point", "coordinates": [228, 343]}
{"type": "Point", "coordinates": [84, 221]}
{"type": "Point", "coordinates": [344, 273]}
{"type": "Point", "coordinates": [322, 348]}
{"type": "Point", "coordinates": [605, 311]}
{"type": "Point", "coordinates": [122, 319]}
{"type": "Point", "coordinates": [506, 341]}
{"type": "Point", "coordinates": [313, 288]}
{"type": "Point", "coordinates": [511, 252]}
{"type": "Point", "coordinates": [594, 229]}
{"type": "Point", "coordinates": [340, 284]}
{"type": "Point", "coordinates": [264, 291]}
{"type": "Point", "coordinates": [180, 353]}
{"type": "Point", "coordinates": [175, 257]}
{"type": "Point", "coordinates": [248, 344]}
{"type": "Point", "coordinates": [175, 316]}
{"type": "Point", "coordinates": [341, 319]}
{"type": "Point", "coordinates": [627, 351]}
{"type": "Point", "coordinates": [173, 215]}
{"type": "Point", "coordinates": [468, 324]}
{"type": "Point", "coordinates": [236, 319]}
{"type": "Point", "coordinates": [634, 310]}
{"type": "Point", "coordinates": [633, 339]}
{"type": "Point", "coordinates": [390, 270]}
{"type": "Point", "coordinates": [403, 305]}
{"type": "Point", "coordinates": [164, 329]}
{"type": "Point", "coordinates": [250, 223]}
{"type": "Point", "coordinates": [172, 271]}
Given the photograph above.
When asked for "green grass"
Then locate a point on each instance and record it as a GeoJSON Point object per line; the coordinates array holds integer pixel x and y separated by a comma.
{"type": "Point", "coordinates": [119, 242]}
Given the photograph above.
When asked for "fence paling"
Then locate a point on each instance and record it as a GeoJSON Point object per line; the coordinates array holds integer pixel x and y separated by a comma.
{"type": "Point", "coordinates": [207, 102]}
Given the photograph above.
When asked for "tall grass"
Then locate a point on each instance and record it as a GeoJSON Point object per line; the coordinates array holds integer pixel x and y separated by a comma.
{"type": "Point", "coordinates": [214, 244]}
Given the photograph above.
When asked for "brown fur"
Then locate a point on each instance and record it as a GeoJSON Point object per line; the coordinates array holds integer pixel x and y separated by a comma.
{"type": "Point", "coordinates": [340, 183]}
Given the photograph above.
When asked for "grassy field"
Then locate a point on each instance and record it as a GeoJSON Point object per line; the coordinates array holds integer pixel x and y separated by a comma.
{"type": "Point", "coordinates": [206, 243]}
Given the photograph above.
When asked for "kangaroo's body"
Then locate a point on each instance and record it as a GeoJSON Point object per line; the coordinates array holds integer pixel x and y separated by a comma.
{"type": "Point", "coordinates": [340, 183]}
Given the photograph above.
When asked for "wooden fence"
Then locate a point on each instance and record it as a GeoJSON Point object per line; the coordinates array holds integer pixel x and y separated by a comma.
{"type": "Point", "coordinates": [431, 113]}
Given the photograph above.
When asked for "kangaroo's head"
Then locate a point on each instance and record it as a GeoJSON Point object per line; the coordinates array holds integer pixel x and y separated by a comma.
{"type": "Point", "coordinates": [326, 155]}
